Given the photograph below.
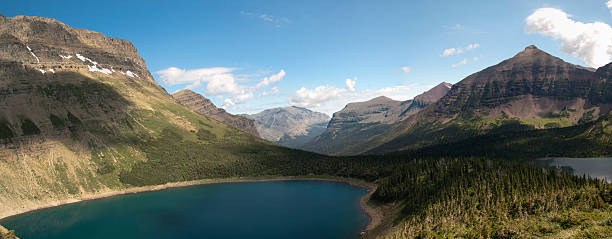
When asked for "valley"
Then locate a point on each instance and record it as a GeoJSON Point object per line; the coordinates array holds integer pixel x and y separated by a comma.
{"type": "Point", "coordinates": [82, 117]}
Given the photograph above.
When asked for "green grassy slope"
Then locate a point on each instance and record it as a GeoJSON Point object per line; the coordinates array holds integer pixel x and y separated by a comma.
{"type": "Point", "coordinates": [592, 139]}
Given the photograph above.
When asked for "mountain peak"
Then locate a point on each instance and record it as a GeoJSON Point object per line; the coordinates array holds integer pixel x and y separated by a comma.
{"type": "Point", "coordinates": [532, 55]}
{"type": "Point", "coordinates": [531, 51]}
{"type": "Point", "coordinates": [381, 98]}
{"type": "Point", "coordinates": [434, 94]}
{"type": "Point", "coordinates": [444, 84]}
{"type": "Point", "coordinates": [531, 47]}
{"type": "Point", "coordinates": [290, 126]}
{"type": "Point", "coordinates": [185, 91]}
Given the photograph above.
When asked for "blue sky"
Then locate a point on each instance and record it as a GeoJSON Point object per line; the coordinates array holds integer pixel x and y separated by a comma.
{"type": "Point", "coordinates": [252, 55]}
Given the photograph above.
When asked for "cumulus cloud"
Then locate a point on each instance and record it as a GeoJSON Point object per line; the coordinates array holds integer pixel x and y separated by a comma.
{"type": "Point", "coordinates": [462, 62]}
{"type": "Point", "coordinates": [315, 97]}
{"type": "Point", "coordinates": [350, 83]}
{"type": "Point", "coordinates": [407, 69]}
{"type": "Point", "coordinates": [176, 76]}
{"type": "Point", "coordinates": [590, 42]}
{"type": "Point", "coordinates": [220, 81]}
{"type": "Point", "coordinates": [451, 51]}
{"type": "Point", "coordinates": [329, 99]}
{"type": "Point", "coordinates": [457, 51]}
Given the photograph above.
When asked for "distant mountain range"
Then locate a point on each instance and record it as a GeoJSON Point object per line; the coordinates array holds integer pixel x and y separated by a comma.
{"type": "Point", "coordinates": [353, 127]}
{"type": "Point", "coordinates": [204, 106]}
{"type": "Point", "coordinates": [290, 126]}
{"type": "Point", "coordinates": [287, 126]}
{"type": "Point", "coordinates": [532, 90]}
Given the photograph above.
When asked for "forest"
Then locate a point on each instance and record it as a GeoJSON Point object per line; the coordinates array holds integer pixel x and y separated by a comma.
{"type": "Point", "coordinates": [420, 196]}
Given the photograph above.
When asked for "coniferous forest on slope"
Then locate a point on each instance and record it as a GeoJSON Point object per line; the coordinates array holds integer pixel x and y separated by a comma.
{"type": "Point", "coordinates": [420, 196]}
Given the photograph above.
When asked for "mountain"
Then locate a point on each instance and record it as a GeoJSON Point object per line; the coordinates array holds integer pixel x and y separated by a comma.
{"type": "Point", "coordinates": [81, 116]}
{"type": "Point", "coordinates": [204, 106]}
{"type": "Point", "coordinates": [360, 122]}
{"type": "Point", "coordinates": [289, 126]}
{"type": "Point", "coordinates": [532, 90]}
{"type": "Point", "coordinates": [434, 94]}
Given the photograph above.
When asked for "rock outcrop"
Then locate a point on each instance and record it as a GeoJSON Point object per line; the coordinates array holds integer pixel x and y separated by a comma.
{"type": "Point", "coordinates": [204, 106]}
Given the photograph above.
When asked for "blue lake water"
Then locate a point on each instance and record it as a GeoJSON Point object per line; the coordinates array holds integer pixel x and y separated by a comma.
{"type": "Point", "coordinates": [280, 209]}
{"type": "Point", "coordinates": [594, 167]}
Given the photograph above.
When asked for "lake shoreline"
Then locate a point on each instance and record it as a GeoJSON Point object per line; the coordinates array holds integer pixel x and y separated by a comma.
{"type": "Point", "coordinates": [374, 214]}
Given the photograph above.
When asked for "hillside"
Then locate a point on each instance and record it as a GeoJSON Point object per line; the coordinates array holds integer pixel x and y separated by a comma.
{"type": "Point", "coordinates": [289, 126]}
{"type": "Point", "coordinates": [351, 128]}
{"type": "Point", "coordinates": [204, 106]}
{"type": "Point", "coordinates": [80, 115]}
{"type": "Point", "coordinates": [533, 88]}
{"type": "Point", "coordinates": [591, 139]}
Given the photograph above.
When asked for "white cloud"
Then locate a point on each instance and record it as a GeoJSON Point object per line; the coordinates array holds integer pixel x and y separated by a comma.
{"type": "Point", "coordinates": [276, 21]}
{"type": "Point", "coordinates": [590, 42]}
{"type": "Point", "coordinates": [406, 69]}
{"type": "Point", "coordinates": [273, 91]}
{"type": "Point", "coordinates": [220, 81]}
{"type": "Point", "coordinates": [271, 79]}
{"type": "Point", "coordinates": [457, 51]}
{"type": "Point", "coordinates": [472, 46]}
{"type": "Point", "coordinates": [350, 83]}
{"type": "Point", "coordinates": [314, 98]}
{"type": "Point", "coordinates": [463, 62]}
{"type": "Point", "coordinates": [609, 5]}
{"type": "Point", "coordinates": [451, 51]}
{"type": "Point", "coordinates": [329, 99]}
{"type": "Point", "coordinates": [227, 103]}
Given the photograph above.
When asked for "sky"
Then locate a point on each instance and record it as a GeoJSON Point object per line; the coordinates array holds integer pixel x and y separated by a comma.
{"type": "Point", "coordinates": [247, 56]}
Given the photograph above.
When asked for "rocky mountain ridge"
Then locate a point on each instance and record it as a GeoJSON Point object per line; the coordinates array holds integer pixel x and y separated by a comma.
{"type": "Point", "coordinates": [532, 90]}
{"type": "Point", "coordinates": [204, 106]}
{"type": "Point", "coordinates": [50, 47]}
{"type": "Point", "coordinates": [359, 122]}
{"type": "Point", "coordinates": [289, 126]}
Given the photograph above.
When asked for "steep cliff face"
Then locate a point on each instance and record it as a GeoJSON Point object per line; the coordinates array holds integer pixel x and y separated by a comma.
{"type": "Point", "coordinates": [360, 122]}
{"type": "Point", "coordinates": [78, 115]}
{"type": "Point", "coordinates": [289, 126]}
{"type": "Point", "coordinates": [532, 90]}
{"type": "Point", "coordinates": [204, 106]}
{"type": "Point", "coordinates": [541, 83]}
{"type": "Point", "coordinates": [47, 45]}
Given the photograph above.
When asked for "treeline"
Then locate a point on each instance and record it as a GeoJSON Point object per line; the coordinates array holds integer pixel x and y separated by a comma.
{"type": "Point", "coordinates": [585, 140]}
{"type": "Point", "coordinates": [435, 196]}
